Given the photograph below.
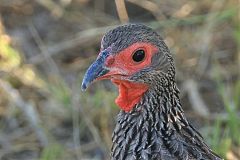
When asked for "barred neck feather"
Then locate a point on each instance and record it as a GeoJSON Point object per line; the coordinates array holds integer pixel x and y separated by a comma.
{"type": "Point", "coordinates": [157, 129]}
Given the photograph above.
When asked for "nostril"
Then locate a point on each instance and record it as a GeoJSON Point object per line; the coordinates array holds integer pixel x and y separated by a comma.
{"type": "Point", "coordinates": [109, 61]}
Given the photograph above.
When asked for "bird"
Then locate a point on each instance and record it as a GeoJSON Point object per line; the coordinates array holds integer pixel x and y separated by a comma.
{"type": "Point", "coordinates": [151, 124]}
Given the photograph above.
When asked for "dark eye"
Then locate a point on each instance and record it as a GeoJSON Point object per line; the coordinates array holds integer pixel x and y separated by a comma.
{"type": "Point", "coordinates": [139, 55]}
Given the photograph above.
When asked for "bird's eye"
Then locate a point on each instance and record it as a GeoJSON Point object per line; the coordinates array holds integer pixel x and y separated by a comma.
{"type": "Point", "coordinates": [139, 55]}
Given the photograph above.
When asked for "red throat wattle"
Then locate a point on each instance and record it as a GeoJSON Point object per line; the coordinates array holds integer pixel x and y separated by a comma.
{"type": "Point", "coordinates": [130, 93]}
{"type": "Point", "coordinates": [122, 65]}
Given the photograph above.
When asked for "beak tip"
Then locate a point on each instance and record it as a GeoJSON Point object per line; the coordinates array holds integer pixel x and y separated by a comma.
{"type": "Point", "coordinates": [83, 89]}
{"type": "Point", "coordinates": [84, 86]}
{"type": "Point", "coordinates": [96, 70]}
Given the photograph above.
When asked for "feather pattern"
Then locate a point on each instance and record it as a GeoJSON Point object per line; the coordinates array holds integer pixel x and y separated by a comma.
{"type": "Point", "coordinates": [157, 129]}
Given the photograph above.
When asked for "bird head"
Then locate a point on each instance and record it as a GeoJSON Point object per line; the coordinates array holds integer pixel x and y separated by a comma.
{"type": "Point", "coordinates": [135, 58]}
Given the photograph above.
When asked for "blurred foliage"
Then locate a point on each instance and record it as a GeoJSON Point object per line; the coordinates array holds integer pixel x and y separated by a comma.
{"type": "Point", "coordinates": [225, 134]}
{"type": "Point", "coordinates": [11, 65]}
{"type": "Point", "coordinates": [52, 152]}
{"type": "Point", "coordinates": [10, 59]}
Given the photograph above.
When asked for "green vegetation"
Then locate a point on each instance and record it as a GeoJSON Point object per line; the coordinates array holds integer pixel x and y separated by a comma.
{"type": "Point", "coordinates": [225, 134]}
{"type": "Point", "coordinates": [52, 152]}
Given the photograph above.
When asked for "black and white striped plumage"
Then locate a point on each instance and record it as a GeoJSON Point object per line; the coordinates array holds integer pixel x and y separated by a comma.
{"type": "Point", "coordinates": [156, 127]}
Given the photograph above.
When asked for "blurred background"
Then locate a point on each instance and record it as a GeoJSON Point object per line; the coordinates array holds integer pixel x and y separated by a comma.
{"type": "Point", "coordinates": [47, 45]}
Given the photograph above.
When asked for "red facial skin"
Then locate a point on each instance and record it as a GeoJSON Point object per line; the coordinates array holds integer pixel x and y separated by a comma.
{"type": "Point", "coordinates": [121, 66]}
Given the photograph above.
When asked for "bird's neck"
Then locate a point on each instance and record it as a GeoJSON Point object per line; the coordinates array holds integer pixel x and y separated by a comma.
{"type": "Point", "coordinates": [157, 127]}
{"type": "Point", "coordinates": [154, 117]}
{"type": "Point", "coordinates": [160, 107]}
